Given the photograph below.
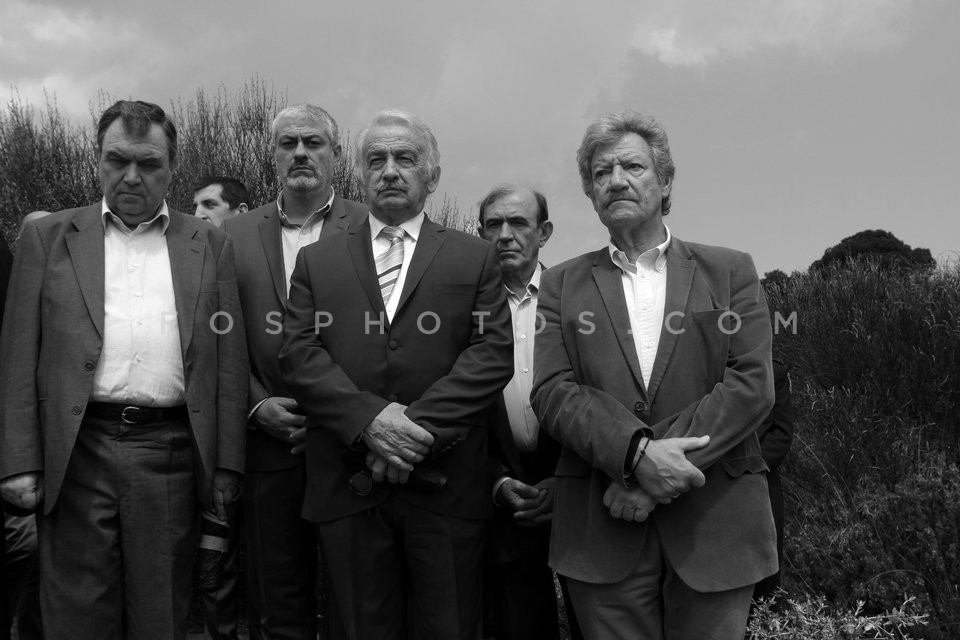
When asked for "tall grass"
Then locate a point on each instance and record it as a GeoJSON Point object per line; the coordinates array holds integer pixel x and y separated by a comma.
{"type": "Point", "coordinates": [872, 486]}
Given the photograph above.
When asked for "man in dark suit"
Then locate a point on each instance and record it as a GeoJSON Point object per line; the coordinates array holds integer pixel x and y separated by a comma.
{"type": "Point", "coordinates": [282, 546]}
{"type": "Point", "coordinates": [123, 346]}
{"type": "Point", "coordinates": [6, 261]}
{"type": "Point", "coordinates": [397, 339]}
{"type": "Point", "coordinates": [653, 372]}
{"type": "Point", "coordinates": [519, 585]}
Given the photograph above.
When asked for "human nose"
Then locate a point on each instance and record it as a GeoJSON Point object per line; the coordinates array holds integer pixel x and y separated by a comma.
{"type": "Point", "coordinates": [390, 169]}
{"type": "Point", "coordinates": [506, 233]}
{"type": "Point", "coordinates": [301, 150]}
{"type": "Point", "coordinates": [131, 175]}
{"type": "Point", "coordinates": [617, 177]}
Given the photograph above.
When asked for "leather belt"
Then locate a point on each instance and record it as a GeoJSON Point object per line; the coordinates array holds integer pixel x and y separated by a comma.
{"type": "Point", "coordinates": [132, 414]}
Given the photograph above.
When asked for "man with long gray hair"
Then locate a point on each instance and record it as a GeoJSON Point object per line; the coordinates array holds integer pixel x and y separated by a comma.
{"type": "Point", "coordinates": [653, 370]}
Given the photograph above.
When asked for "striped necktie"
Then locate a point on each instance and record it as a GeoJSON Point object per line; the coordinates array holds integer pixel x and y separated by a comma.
{"type": "Point", "coordinates": [390, 261]}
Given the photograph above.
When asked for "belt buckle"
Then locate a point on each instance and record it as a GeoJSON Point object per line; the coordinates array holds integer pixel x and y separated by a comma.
{"type": "Point", "coordinates": [131, 420]}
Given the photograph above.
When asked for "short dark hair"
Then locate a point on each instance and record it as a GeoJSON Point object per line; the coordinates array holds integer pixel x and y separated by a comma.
{"type": "Point", "coordinates": [506, 189]}
{"type": "Point", "coordinates": [137, 117]}
{"type": "Point", "coordinates": [233, 192]}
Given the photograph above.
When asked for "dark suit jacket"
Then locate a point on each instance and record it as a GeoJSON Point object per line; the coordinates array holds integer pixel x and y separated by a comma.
{"type": "Point", "coordinates": [343, 371]}
{"type": "Point", "coordinates": [589, 393]}
{"type": "Point", "coordinates": [53, 335]}
{"type": "Point", "coordinates": [263, 297]}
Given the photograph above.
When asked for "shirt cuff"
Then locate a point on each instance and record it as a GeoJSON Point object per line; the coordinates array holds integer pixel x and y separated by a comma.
{"type": "Point", "coordinates": [496, 488]}
{"type": "Point", "coordinates": [250, 423]}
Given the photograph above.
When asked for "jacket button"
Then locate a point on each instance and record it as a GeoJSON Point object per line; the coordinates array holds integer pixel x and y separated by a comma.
{"type": "Point", "coordinates": [640, 407]}
{"type": "Point", "coordinates": [89, 366]}
{"type": "Point", "coordinates": [392, 397]}
{"type": "Point", "coordinates": [393, 344]}
{"type": "Point", "coordinates": [77, 409]}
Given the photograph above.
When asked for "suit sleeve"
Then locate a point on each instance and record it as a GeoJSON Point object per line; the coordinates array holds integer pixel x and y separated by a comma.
{"type": "Point", "coordinates": [21, 447]}
{"type": "Point", "coordinates": [233, 373]}
{"type": "Point", "coordinates": [483, 368]}
{"type": "Point", "coordinates": [586, 419]}
{"type": "Point", "coordinates": [320, 386]}
{"type": "Point", "coordinates": [776, 432]}
{"type": "Point", "coordinates": [738, 404]}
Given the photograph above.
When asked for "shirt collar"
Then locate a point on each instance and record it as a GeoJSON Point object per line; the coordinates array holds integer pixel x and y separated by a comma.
{"type": "Point", "coordinates": [411, 226]}
{"type": "Point", "coordinates": [311, 220]}
{"type": "Point", "coordinates": [655, 257]}
{"type": "Point", "coordinates": [532, 287]}
{"type": "Point", "coordinates": [163, 214]}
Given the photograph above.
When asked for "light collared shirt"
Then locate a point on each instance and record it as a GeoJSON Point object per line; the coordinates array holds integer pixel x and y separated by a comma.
{"type": "Point", "coordinates": [141, 362]}
{"type": "Point", "coordinates": [516, 395]}
{"type": "Point", "coordinates": [645, 290]}
{"type": "Point", "coordinates": [411, 231]}
{"type": "Point", "coordinates": [295, 236]}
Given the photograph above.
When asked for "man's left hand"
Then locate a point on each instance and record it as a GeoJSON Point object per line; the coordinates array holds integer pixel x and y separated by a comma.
{"type": "Point", "coordinates": [226, 489]}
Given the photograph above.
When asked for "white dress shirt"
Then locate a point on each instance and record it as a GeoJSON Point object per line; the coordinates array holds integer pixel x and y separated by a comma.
{"type": "Point", "coordinates": [411, 231]}
{"type": "Point", "coordinates": [295, 236]}
{"type": "Point", "coordinates": [516, 395]}
{"type": "Point", "coordinates": [141, 362]}
{"type": "Point", "coordinates": [645, 290]}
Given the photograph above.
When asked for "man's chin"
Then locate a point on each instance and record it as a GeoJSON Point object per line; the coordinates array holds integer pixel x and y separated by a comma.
{"type": "Point", "coordinates": [303, 184]}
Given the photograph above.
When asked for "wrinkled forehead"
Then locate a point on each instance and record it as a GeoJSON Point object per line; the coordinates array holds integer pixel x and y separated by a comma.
{"type": "Point", "coordinates": [393, 138]}
{"type": "Point", "coordinates": [628, 146]}
{"type": "Point", "coordinates": [301, 126]}
{"type": "Point", "coordinates": [521, 202]}
{"type": "Point", "coordinates": [151, 140]}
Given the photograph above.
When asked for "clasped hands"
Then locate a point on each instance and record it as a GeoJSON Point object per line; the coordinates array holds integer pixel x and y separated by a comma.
{"type": "Point", "coordinates": [275, 416]}
{"type": "Point", "coordinates": [663, 474]}
{"type": "Point", "coordinates": [531, 504]}
{"type": "Point", "coordinates": [395, 444]}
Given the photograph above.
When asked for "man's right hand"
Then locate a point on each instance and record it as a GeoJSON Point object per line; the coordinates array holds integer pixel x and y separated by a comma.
{"type": "Point", "coordinates": [632, 505]}
{"type": "Point", "coordinates": [275, 417]}
{"type": "Point", "coordinates": [664, 471]}
{"type": "Point", "coordinates": [397, 439]}
{"type": "Point", "coordinates": [24, 491]}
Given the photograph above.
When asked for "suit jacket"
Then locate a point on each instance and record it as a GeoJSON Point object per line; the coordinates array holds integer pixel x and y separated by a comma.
{"type": "Point", "coordinates": [53, 335]}
{"type": "Point", "coordinates": [446, 355]}
{"type": "Point", "coordinates": [707, 379]}
{"type": "Point", "coordinates": [263, 297]}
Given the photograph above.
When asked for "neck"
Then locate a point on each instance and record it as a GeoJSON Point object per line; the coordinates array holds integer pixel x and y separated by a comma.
{"type": "Point", "coordinates": [634, 242]}
{"type": "Point", "coordinates": [299, 205]}
{"type": "Point", "coordinates": [517, 281]}
{"type": "Point", "coordinates": [393, 218]}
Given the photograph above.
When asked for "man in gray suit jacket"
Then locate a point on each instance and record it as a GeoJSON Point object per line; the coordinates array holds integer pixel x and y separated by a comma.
{"type": "Point", "coordinates": [281, 546]}
{"type": "Point", "coordinates": [653, 370]}
{"type": "Point", "coordinates": [124, 376]}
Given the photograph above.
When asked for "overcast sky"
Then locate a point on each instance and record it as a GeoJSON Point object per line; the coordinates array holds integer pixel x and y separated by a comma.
{"type": "Point", "coordinates": [793, 123]}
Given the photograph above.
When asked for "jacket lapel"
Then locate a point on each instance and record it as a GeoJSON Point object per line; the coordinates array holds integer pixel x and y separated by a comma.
{"type": "Point", "coordinates": [186, 270]}
{"type": "Point", "coordinates": [273, 251]}
{"type": "Point", "coordinates": [86, 253]}
{"type": "Point", "coordinates": [429, 242]}
{"type": "Point", "coordinates": [336, 219]}
{"type": "Point", "coordinates": [361, 253]}
{"type": "Point", "coordinates": [680, 270]}
{"type": "Point", "coordinates": [609, 282]}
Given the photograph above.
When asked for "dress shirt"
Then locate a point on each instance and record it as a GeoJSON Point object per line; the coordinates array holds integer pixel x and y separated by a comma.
{"type": "Point", "coordinates": [411, 231]}
{"type": "Point", "coordinates": [141, 362]}
{"type": "Point", "coordinates": [516, 395]}
{"type": "Point", "coordinates": [296, 236]}
{"type": "Point", "coordinates": [645, 291]}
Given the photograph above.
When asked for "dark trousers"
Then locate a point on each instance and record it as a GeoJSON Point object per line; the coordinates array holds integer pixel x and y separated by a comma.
{"type": "Point", "coordinates": [218, 580]}
{"type": "Point", "coordinates": [522, 600]}
{"type": "Point", "coordinates": [117, 551]}
{"type": "Point", "coordinates": [23, 575]}
{"type": "Point", "coordinates": [403, 573]}
{"type": "Point", "coordinates": [281, 556]}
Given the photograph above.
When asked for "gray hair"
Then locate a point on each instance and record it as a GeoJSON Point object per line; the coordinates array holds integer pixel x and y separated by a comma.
{"type": "Point", "coordinates": [609, 128]}
{"type": "Point", "coordinates": [310, 111]}
{"type": "Point", "coordinates": [412, 122]}
{"type": "Point", "coordinates": [502, 191]}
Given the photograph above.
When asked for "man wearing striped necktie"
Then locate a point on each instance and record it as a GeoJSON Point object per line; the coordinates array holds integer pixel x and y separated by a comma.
{"type": "Point", "coordinates": [396, 342]}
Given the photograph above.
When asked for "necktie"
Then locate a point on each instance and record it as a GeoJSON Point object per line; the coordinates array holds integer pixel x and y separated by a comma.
{"type": "Point", "coordinates": [390, 261]}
